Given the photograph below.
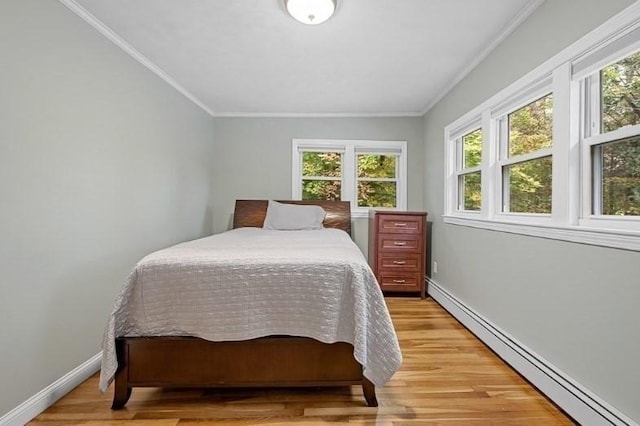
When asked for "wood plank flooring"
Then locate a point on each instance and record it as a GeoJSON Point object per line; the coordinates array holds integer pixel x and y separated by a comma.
{"type": "Point", "coordinates": [448, 377]}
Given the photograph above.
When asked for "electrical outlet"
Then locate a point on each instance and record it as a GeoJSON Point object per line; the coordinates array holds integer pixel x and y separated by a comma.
{"type": "Point", "coordinates": [435, 267]}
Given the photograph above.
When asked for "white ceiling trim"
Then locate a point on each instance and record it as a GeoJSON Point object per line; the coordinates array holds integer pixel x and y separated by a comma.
{"type": "Point", "coordinates": [506, 31]}
{"type": "Point", "coordinates": [134, 53]}
{"type": "Point", "coordinates": [317, 114]}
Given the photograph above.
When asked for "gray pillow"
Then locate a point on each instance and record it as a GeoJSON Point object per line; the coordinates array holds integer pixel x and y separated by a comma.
{"type": "Point", "coordinates": [290, 217]}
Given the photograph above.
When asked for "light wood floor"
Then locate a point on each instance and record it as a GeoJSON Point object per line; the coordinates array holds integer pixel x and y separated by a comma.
{"type": "Point", "coordinates": [448, 377]}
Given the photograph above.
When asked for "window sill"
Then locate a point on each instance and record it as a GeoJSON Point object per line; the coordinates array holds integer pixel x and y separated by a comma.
{"type": "Point", "coordinates": [626, 240]}
{"type": "Point", "coordinates": [364, 213]}
{"type": "Point", "coordinates": [359, 214]}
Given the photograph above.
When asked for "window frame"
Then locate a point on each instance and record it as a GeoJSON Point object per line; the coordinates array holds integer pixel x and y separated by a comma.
{"type": "Point", "coordinates": [591, 135]}
{"type": "Point", "coordinates": [368, 179]}
{"type": "Point", "coordinates": [461, 171]}
{"type": "Point", "coordinates": [501, 141]}
{"type": "Point", "coordinates": [350, 150]}
{"type": "Point", "coordinates": [569, 77]}
{"type": "Point", "coordinates": [324, 178]}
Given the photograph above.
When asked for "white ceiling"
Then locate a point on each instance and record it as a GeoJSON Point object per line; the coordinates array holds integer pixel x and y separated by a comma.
{"type": "Point", "coordinates": [248, 57]}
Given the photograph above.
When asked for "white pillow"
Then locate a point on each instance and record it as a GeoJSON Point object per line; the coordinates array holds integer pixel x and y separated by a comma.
{"type": "Point", "coordinates": [289, 217]}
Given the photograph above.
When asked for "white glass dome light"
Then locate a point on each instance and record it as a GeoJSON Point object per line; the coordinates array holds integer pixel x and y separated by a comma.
{"type": "Point", "coordinates": [310, 12]}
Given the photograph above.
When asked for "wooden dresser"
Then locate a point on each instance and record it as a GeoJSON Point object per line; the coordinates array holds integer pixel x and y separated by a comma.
{"type": "Point", "coordinates": [398, 249]}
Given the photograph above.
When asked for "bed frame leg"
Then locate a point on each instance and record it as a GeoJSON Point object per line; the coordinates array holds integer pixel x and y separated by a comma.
{"type": "Point", "coordinates": [121, 388]}
{"type": "Point", "coordinates": [120, 397]}
{"type": "Point", "coordinates": [369, 391]}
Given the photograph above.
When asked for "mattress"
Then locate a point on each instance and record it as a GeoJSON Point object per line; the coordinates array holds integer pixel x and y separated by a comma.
{"type": "Point", "coordinates": [251, 282]}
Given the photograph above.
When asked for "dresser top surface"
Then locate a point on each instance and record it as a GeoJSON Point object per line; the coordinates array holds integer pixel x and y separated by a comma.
{"type": "Point", "coordinates": [396, 213]}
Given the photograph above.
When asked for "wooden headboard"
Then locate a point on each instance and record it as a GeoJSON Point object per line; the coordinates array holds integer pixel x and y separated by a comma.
{"type": "Point", "coordinates": [252, 213]}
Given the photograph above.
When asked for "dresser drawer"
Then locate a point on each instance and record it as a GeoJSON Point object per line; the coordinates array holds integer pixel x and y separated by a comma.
{"type": "Point", "coordinates": [394, 261]}
{"type": "Point", "coordinates": [400, 281]}
{"type": "Point", "coordinates": [401, 224]}
{"type": "Point", "coordinates": [397, 242]}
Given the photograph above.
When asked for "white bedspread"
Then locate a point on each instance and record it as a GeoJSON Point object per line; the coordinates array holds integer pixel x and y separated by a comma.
{"type": "Point", "coordinates": [249, 283]}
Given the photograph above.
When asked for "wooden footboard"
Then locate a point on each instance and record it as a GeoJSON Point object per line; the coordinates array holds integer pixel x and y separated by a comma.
{"type": "Point", "coordinates": [265, 362]}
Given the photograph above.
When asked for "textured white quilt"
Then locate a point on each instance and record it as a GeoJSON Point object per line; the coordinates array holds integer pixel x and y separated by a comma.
{"type": "Point", "coordinates": [249, 283]}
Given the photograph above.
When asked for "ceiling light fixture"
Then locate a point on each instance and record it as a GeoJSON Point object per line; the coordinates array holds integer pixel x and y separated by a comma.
{"type": "Point", "coordinates": [310, 12]}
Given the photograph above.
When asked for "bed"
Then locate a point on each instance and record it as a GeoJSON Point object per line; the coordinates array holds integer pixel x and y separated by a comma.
{"type": "Point", "coordinates": [252, 308]}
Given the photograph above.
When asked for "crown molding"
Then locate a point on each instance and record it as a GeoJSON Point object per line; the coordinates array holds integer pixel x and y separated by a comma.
{"type": "Point", "coordinates": [131, 51]}
{"type": "Point", "coordinates": [316, 115]}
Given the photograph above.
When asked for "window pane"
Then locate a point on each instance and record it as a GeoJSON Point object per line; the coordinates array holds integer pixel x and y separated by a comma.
{"type": "Point", "coordinates": [620, 89]}
{"type": "Point", "coordinates": [322, 164]}
{"type": "Point", "coordinates": [376, 166]}
{"type": "Point", "coordinates": [530, 127]}
{"type": "Point", "coordinates": [472, 148]}
{"type": "Point", "coordinates": [620, 177]}
{"type": "Point", "coordinates": [470, 188]}
{"type": "Point", "coordinates": [529, 186]}
{"type": "Point", "coordinates": [321, 189]}
{"type": "Point", "coordinates": [376, 194]}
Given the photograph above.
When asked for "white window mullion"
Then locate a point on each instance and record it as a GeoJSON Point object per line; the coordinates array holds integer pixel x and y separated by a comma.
{"type": "Point", "coordinates": [349, 191]}
{"type": "Point", "coordinates": [451, 181]}
{"type": "Point", "coordinates": [296, 173]}
{"type": "Point", "coordinates": [590, 109]}
{"type": "Point", "coordinates": [488, 165]}
{"type": "Point", "coordinates": [401, 181]}
{"type": "Point", "coordinates": [502, 144]}
{"type": "Point", "coordinates": [574, 157]}
{"type": "Point", "coordinates": [561, 191]}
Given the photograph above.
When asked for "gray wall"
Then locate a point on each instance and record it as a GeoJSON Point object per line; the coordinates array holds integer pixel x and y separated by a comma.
{"type": "Point", "coordinates": [575, 305]}
{"type": "Point", "coordinates": [100, 163]}
{"type": "Point", "coordinates": [253, 157]}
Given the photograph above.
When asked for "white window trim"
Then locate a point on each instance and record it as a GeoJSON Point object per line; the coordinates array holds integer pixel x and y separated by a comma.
{"type": "Point", "coordinates": [351, 148]}
{"type": "Point", "coordinates": [568, 220]}
{"type": "Point", "coordinates": [499, 139]}
{"type": "Point", "coordinates": [462, 171]}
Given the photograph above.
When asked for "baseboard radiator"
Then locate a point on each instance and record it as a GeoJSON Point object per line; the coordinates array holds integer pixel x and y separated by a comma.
{"type": "Point", "coordinates": [581, 404]}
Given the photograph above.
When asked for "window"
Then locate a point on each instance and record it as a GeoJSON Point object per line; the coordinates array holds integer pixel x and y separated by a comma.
{"type": "Point", "coordinates": [616, 183]}
{"type": "Point", "coordinates": [526, 158]}
{"type": "Point", "coordinates": [557, 153]}
{"type": "Point", "coordinates": [369, 174]}
{"type": "Point", "coordinates": [321, 175]}
{"type": "Point", "coordinates": [377, 180]}
{"type": "Point", "coordinates": [612, 137]}
{"type": "Point", "coordinates": [469, 175]}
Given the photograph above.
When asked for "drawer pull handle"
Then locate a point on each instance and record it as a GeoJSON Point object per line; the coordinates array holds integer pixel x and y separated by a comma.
{"type": "Point", "coordinates": [399, 243]}
{"type": "Point", "coordinates": [399, 262]}
{"type": "Point", "coordinates": [399, 281]}
{"type": "Point", "coordinates": [399, 224]}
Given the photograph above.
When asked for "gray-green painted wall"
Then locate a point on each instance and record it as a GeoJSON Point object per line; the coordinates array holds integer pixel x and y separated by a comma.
{"type": "Point", "coordinates": [253, 157]}
{"type": "Point", "coordinates": [101, 162]}
{"type": "Point", "coordinates": [573, 304]}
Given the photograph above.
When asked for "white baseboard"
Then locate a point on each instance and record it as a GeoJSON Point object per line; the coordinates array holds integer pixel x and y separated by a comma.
{"type": "Point", "coordinates": [39, 402]}
{"type": "Point", "coordinates": [584, 406]}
